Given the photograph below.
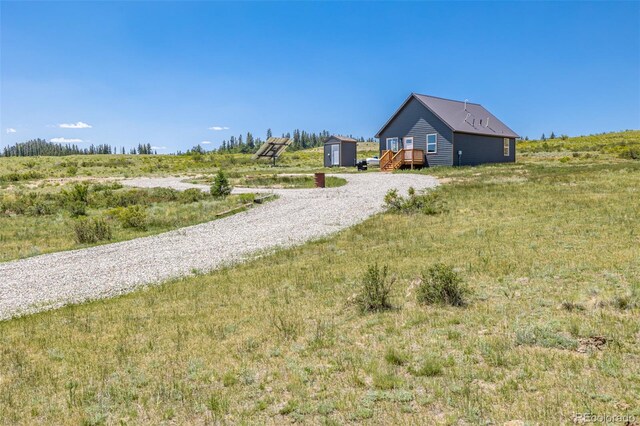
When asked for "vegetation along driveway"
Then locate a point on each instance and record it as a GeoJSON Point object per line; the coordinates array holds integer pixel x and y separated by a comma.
{"type": "Point", "coordinates": [53, 280]}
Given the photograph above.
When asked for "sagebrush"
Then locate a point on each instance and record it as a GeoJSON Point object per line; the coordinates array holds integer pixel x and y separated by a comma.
{"type": "Point", "coordinates": [375, 290]}
{"type": "Point", "coordinates": [440, 284]}
{"type": "Point", "coordinates": [427, 202]}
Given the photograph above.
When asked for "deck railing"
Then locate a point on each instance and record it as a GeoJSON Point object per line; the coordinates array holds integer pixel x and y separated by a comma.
{"type": "Point", "coordinates": [385, 159]}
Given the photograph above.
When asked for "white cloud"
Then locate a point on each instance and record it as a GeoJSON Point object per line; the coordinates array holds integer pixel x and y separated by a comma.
{"type": "Point", "coordinates": [205, 142]}
{"type": "Point", "coordinates": [216, 128]}
{"type": "Point", "coordinates": [78, 125]}
{"type": "Point", "coordinates": [11, 130]}
{"type": "Point", "coordinates": [158, 147]}
{"type": "Point", "coordinates": [65, 140]}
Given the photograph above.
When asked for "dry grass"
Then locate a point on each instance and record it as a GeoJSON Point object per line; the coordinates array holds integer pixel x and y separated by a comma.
{"type": "Point", "coordinates": [274, 340]}
{"type": "Point", "coordinates": [24, 233]}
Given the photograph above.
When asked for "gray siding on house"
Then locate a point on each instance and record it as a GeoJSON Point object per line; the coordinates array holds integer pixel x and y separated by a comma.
{"type": "Point", "coordinates": [348, 152]}
{"type": "Point", "coordinates": [417, 121]}
{"type": "Point", "coordinates": [478, 149]}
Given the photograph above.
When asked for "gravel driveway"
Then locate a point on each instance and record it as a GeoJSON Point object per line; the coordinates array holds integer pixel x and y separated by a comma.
{"type": "Point", "coordinates": [298, 215]}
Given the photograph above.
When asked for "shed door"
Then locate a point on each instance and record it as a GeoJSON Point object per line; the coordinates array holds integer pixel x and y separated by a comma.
{"type": "Point", "coordinates": [335, 155]}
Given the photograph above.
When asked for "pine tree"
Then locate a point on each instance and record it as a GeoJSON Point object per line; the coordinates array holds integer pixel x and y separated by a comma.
{"type": "Point", "coordinates": [552, 136]}
{"type": "Point", "coordinates": [269, 134]}
{"type": "Point", "coordinates": [250, 142]}
{"type": "Point", "coordinates": [220, 186]}
{"type": "Point", "coordinates": [543, 137]}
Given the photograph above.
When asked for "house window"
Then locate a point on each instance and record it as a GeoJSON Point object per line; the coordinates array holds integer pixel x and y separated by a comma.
{"type": "Point", "coordinates": [432, 143]}
{"type": "Point", "coordinates": [506, 147]}
{"type": "Point", "coordinates": [392, 144]}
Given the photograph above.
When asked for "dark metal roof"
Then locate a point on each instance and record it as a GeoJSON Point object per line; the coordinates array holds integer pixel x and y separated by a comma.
{"type": "Point", "coordinates": [341, 138]}
{"type": "Point", "coordinates": [474, 119]}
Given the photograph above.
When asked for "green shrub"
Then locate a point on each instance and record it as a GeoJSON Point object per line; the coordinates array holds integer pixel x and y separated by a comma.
{"type": "Point", "coordinates": [287, 325]}
{"type": "Point", "coordinates": [220, 186]}
{"type": "Point", "coordinates": [428, 202]}
{"type": "Point", "coordinates": [30, 204]}
{"type": "Point", "coordinates": [631, 154]}
{"type": "Point", "coordinates": [429, 366]}
{"type": "Point", "coordinates": [625, 302]}
{"type": "Point", "coordinates": [131, 217]}
{"type": "Point", "coordinates": [77, 208]}
{"type": "Point", "coordinates": [218, 404]}
{"type": "Point", "coordinates": [375, 291]}
{"type": "Point", "coordinates": [92, 230]}
{"type": "Point", "coordinates": [40, 208]}
{"type": "Point", "coordinates": [15, 177]}
{"type": "Point", "coordinates": [191, 195]}
{"type": "Point", "coordinates": [72, 171]}
{"type": "Point", "coordinates": [572, 306]}
{"type": "Point", "coordinates": [395, 357]}
{"type": "Point", "coordinates": [246, 198]}
{"type": "Point", "coordinates": [78, 193]}
{"type": "Point", "coordinates": [442, 285]}
{"type": "Point", "coordinates": [164, 194]}
{"type": "Point", "coordinates": [386, 380]}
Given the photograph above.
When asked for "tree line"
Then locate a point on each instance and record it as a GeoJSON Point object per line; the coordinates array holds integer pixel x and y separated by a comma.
{"type": "Point", "coordinates": [246, 144]}
{"type": "Point", "coordinates": [36, 147]}
{"type": "Point", "coordinates": [39, 146]}
{"type": "Point", "coordinates": [300, 139]}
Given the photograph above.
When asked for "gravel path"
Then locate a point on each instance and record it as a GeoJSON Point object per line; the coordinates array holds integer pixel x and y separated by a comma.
{"type": "Point", "coordinates": [298, 215]}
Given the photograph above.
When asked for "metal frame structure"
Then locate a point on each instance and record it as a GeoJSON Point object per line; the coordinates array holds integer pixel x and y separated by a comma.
{"type": "Point", "coordinates": [272, 148]}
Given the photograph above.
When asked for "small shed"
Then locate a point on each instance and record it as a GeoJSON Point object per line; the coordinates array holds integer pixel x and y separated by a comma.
{"type": "Point", "coordinates": [340, 151]}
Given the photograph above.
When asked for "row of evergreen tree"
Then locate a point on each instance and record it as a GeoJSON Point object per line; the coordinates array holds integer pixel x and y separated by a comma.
{"type": "Point", "coordinates": [39, 146]}
{"type": "Point", "coordinates": [300, 139]}
{"type": "Point", "coordinates": [552, 136]}
{"type": "Point", "coordinates": [241, 144]}
{"type": "Point", "coordinates": [42, 147]}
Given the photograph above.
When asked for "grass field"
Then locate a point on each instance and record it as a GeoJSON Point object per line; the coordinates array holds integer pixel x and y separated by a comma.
{"type": "Point", "coordinates": [28, 231]}
{"type": "Point", "coordinates": [624, 145]}
{"type": "Point", "coordinates": [46, 218]}
{"type": "Point", "coordinates": [35, 169]}
{"type": "Point", "coordinates": [549, 248]}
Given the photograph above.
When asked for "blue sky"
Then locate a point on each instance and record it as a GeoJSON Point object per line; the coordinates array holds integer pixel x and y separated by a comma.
{"type": "Point", "coordinates": [169, 73]}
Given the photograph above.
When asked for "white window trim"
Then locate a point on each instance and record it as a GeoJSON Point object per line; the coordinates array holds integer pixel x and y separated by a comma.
{"type": "Point", "coordinates": [390, 139]}
{"type": "Point", "coordinates": [427, 141]}
{"type": "Point", "coordinates": [506, 143]}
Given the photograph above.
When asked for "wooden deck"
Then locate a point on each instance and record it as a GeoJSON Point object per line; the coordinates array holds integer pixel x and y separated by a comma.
{"type": "Point", "coordinates": [390, 161]}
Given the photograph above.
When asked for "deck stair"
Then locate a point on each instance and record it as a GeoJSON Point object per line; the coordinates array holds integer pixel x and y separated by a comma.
{"type": "Point", "coordinates": [390, 161]}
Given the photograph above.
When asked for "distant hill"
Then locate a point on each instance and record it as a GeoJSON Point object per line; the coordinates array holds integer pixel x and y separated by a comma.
{"type": "Point", "coordinates": [624, 144]}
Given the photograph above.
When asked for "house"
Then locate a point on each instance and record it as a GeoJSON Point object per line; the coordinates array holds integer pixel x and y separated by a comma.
{"type": "Point", "coordinates": [431, 131]}
{"type": "Point", "coordinates": [340, 151]}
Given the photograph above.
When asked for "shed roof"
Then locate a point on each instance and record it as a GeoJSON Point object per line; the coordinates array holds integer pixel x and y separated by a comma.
{"type": "Point", "coordinates": [472, 119]}
{"type": "Point", "coordinates": [341, 138]}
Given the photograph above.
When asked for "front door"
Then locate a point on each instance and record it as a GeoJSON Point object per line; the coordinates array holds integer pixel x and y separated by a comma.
{"type": "Point", "coordinates": [408, 146]}
{"type": "Point", "coordinates": [335, 155]}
